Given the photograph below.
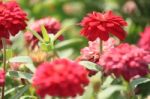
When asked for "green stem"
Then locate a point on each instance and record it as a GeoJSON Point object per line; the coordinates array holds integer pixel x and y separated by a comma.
{"type": "Point", "coordinates": [4, 64]}
{"type": "Point", "coordinates": [101, 46]}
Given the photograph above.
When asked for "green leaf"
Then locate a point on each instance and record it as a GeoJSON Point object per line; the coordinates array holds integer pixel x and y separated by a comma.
{"type": "Point", "coordinates": [108, 92]}
{"type": "Point", "coordinates": [36, 34]}
{"type": "Point", "coordinates": [20, 92]}
{"type": "Point", "coordinates": [45, 34]}
{"type": "Point", "coordinates": [59, 33]}
{"type": "Point", "coordinates": [23, 59]}
{"type": "Point", "coordinates": [18, 74]}
{"type": "Point", "coordinates": [28, 97]}
{"type": "Point", "coordinates": [90, 65]}
{"type": "Point", "coordinates": [13, 89]}
{"type": "Point", "coordinates": [67, 43]}
{"type": "Point", "coordinates": [107, 82]}
{"type": "Point", "coordinates": [142, 85]}
{"type": "Point", "coordinates": [46, 47]}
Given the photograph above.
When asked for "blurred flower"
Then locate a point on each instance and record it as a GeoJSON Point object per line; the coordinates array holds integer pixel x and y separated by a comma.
{"type": "Point", "coordinates": [52, 26]}
{"type": "Point", "coordinates": [99, 25]}
{"type": "Point", "coordinates": [38, 56]}
{"type": "Point", "coordinates": [12, 19]}
{"type": "Point", "coordinates": [92, 52]}
{"type": "Point", "coordinates": [144, 41]}
{"type": "Point", "coordinates": [130, 7]}
{"type": "Point", "coordinates": [126, 60]}
{"type": "Point", "coordinates": [62, 78]}
{"type": "Point", "coordinates": [2, 77]}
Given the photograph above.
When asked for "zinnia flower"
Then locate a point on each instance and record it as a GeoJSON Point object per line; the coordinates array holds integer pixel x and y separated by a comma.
{"type": "Point", "coordinates": [51, 24]}
{"type": "Point", "coordinates": [126, 60]}
{"type": "Point", "coordinates": [144, 41]}
{"type": "Point", "coordinates": [12, 19]}
{"type": "Point", "coordinates": [62, 78]}
{"type": "Point", "coordinates": [2, 78]}
{"type": "Point", "coordinates": [92, 52]}
{"type": "Point", "coordinates": [99, 25]}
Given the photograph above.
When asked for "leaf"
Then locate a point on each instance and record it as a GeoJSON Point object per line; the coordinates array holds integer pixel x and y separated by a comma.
{"type": "Point", "coordinates": [45, 34]}
{"type": "Point", "coordinates": [20, 92]}
{"type": "Point", "coordinates": [13, 89]}
{"type": "Point", "coordinates": [21, 59]}
{"type": "Point", "coordinates": [107, 82]}
{"type": "Point", "coordinates": [24, 59]}
{"type": "Point", "coordinates": [36, 34]}
{"type": "Point", "coordinates": [18, 74]}
{"type": "Point", "coordinates": [60, 32]}
{"type": "Point", "coordinates": [90, 65]}
{"type": "Point", "coordinates": [142, 85]}
{"type": "Point", "coordinates": [28, 97]}
{"type": "Point", "coordinates": [67, 43]}
{"type": "Point", "coordinates": [106, 94]}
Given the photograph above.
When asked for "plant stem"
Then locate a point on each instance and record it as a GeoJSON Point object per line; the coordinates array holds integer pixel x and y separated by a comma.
{"type": "Point", "coordinates": [101, 46]}
{"type": "Point", "coordinates": [4, 63]}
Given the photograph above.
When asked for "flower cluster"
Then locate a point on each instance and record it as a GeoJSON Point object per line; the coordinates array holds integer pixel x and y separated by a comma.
{"type": "Point", "coordinates": [51, 25]}
{"type": "Point", "coordinates": [126, 60]}
{"type": "Point", "coordinates": [61, 77]}
{"type": "Point", "coordinates": [2, 77]}
{"type": "Point", "coordinates": [144, 41]}
{"type": "Point", "coordinates": [99, 25]}
{"type": "Point", "coordinates": [12, 19]}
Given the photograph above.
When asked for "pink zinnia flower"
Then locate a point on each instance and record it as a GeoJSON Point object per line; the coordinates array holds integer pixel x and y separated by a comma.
{"type": "Point", "coordinates": [126, 60]}
{"type": "Point", "coordinates": [12, 19]}
{"type": "Point", "coordinates": [99, 25]}
{"type": "Point", "coordinates": [2, 78]}
{"type": "Point", "coordinates": [51, 24]}
{"type": "Point", "coordinates": [144, 41]}
{"type": "Point", "coordinates": [92, 52]}
{"type": "Point", "coordinates": [62, 78]}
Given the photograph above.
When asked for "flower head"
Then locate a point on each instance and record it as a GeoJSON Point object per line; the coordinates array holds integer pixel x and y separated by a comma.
{"type": "Point", "coordinates": [51, 25]}
{"type": "Point", "coordinates": [125, 60]}
{"type": "Point", "coordinates": [92, 52]}
{"type": "Point", "coordinates": [99, 25]}
{"type": "Point", "coordinates": [12, 19]}
{"type": "Point", "coordinates": [61, 78]}
{"type": "Point", "coordinates": [144, 41]}
{"type": "Point", "coordinates": [2, 78]}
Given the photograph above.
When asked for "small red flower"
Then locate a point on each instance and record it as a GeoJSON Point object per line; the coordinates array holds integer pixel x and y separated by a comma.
{"type": "Point", "coordinates": [51, 24]}
{"type": "Point", "coordinates": [144, 41]}
{"type": "Point", "coordinates": [126, 60]}
{"type": "Point", "coordinates": [62, 78]}
{"type": "Point", "coordinates": [99, 25]}
{"type": "Point", "coordinates": [2, 78]}
{"type": "Point", "coordinates": [12, 19]}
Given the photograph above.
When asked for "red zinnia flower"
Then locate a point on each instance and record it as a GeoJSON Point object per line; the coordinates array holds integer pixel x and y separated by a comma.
{"type": "Point", "coordinates": [51, 24]}
{"type": "Point", "coordinates": [61, 78]}
{"type": "Point", "coordinates": [12, 19]}
{"type": "Point", "coordinates": [144, 41]}
{"type": "Point", "coordinates": [99, 25]}
{"type": "Point", "coordinates": [2, 78]}
{"type": "Point", "coordinates": [126, 60]}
